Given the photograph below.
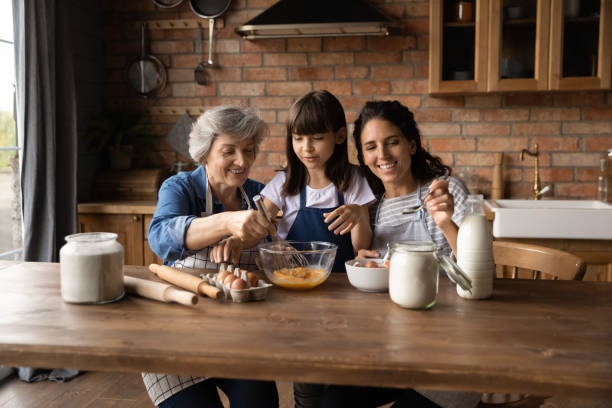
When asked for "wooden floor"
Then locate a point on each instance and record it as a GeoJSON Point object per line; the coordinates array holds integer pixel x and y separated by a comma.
{"type": "Point", "coordinates": [106, 390]}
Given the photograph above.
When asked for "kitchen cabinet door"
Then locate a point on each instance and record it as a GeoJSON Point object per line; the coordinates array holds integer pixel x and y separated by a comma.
{"type": "Point", "coordinates": [518, 45]}
{"type": "Point", "coordinates": [458, 46]}
{"type": "Point", "coordinates": [128, 228]}
{"type": "Point", "coordinates": [581, 44]}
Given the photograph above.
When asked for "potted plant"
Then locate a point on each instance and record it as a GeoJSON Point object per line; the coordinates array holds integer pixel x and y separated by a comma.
{"type": "Point", "coordinates": [119, 132]}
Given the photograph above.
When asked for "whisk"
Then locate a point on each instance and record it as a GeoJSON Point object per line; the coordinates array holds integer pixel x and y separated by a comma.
{"type": "Point", "coordinates": [292, 260]}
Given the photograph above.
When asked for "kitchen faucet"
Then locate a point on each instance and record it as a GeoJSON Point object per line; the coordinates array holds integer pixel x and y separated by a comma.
{"type": "Point", "coordinates": [536, 179]}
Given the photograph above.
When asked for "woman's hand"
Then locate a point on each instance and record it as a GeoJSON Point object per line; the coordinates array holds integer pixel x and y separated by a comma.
{"type": "Point", "coordinates": [248, 225]}
{"type": "Point", "coordinates": [347, 217]}
{"type": "Point", "coordinates": [227, 250]}
{"type": "Point", "coordinates": [367, 253]}
{"type": "Point", "coordinates": [440, 203]}
{"type": "Point", "coordinates": [441, 206]}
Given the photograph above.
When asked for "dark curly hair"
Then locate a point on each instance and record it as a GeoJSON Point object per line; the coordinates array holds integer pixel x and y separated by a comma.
{"type": "Point", "coordinates": [424, 166]}
{"type": "Point", "coordinates": [316, 112]}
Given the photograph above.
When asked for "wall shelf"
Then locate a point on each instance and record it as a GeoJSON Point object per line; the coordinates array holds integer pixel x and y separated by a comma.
{"type": "Point", "coordinates": [182, 23]}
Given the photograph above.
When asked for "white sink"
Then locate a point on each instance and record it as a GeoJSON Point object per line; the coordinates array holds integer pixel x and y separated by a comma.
{"type": "Point", "coordinates": [576, 219]}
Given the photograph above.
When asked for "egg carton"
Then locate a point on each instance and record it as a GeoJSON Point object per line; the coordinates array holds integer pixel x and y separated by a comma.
{"type": "Point", "coordinates": [258, 292]}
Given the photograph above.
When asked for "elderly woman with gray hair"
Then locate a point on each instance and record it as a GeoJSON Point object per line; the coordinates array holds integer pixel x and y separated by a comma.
{"type": "Point", "coordinates": [201, 217]}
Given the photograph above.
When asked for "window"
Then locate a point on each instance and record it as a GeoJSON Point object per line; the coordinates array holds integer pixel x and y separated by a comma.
{"type": "Point", "coordinates": [10, 207]}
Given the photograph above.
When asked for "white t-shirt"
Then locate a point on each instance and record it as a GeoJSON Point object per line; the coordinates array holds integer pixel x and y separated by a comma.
{"type": "Point", "coordinates": [358, 192]}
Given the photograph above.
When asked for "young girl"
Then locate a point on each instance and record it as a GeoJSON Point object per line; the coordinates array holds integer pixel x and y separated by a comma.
{"type": "Point", "coordinates": [323, 197]}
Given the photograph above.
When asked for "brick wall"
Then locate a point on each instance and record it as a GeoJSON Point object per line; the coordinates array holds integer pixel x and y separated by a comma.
{"type": "Point", "coordinates": [570, 128]}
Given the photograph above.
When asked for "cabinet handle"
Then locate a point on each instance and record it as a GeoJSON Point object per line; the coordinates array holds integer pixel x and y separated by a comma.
{"type": "Point", "coordinates": [136, 218]}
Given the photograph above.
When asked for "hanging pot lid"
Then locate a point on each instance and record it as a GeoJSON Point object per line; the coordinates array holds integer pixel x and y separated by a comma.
{"type": "Point", "coordinates": [209, 8]}
{"type": "Point", "coordinates": [316, 18]}
{"type": "Point", "coordinates": [167, 3]}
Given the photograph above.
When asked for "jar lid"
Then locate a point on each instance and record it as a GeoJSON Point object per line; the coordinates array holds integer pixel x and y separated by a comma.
{"type": "Point", "coordinates": [455, 273]}
{"type": "Point", "coordinates": [91, 237]}
{"type": "Point", "coordinates": [414, 246]}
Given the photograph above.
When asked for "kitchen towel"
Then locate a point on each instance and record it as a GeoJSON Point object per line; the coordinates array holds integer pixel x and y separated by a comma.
{"type": "Point", "coordinates": [30, 374]}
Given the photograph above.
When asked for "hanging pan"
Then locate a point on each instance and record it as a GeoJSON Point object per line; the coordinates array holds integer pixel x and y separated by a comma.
{"type": "Point", "coordinates": [210, 9]}
{"type": "Point", "coordinates": [167, 3]}
{"type": "Point", "coordinates": [147, 74]}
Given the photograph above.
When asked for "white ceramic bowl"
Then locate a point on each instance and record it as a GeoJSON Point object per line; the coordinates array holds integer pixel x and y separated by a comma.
{"type": "Point", "coordinates": [367, 279]}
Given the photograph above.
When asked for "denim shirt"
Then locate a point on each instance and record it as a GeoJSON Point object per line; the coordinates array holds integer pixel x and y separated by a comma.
{"type": "Point", "coordinates": [181, 199]}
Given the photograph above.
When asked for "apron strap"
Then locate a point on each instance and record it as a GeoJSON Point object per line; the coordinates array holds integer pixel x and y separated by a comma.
{"type": "Point", "coordinates": [209, 199]}
{"type": "Point", "coordinates": [303, 197]}
{"type": "Point", "coordinates": [378, 207]}
{"type": "Point", "coordinates": [421, 213]}
{"type": "Point", "coordinates": [245, 197]}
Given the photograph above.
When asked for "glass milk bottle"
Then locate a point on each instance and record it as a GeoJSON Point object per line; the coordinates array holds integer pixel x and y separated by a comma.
{"type": "Point", "coordinates": [475, 250]}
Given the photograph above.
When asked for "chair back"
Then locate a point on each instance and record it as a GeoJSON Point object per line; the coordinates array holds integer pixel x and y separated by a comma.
{"type": "Point", "coordinates": [537, 260]}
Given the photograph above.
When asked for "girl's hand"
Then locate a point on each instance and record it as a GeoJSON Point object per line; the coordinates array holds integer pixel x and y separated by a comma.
{"type": "Point", "coordinates": [440, 203]}
{"type": "Point", "coordinates": [248, 225]}
{"type": "Point", "coordinates": [227, 250]}
{"type": "Point", "coordinates": [367, 253]}
{"type": "Point", "coordinates": [346, 217]}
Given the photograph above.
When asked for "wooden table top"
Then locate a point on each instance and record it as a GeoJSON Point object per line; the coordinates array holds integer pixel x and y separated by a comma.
{"type": "Point", "coordinates": [544, 337]}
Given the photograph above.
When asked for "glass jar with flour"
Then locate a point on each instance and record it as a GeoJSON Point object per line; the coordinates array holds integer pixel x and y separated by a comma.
{"type": "Point", "coordinates": [91, 268]}
{"type": "Point", "coordinates": [413, 274]}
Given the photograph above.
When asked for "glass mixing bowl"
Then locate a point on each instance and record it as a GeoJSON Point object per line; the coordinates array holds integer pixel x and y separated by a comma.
{"type": "Point", "coordinates": [297, 264]}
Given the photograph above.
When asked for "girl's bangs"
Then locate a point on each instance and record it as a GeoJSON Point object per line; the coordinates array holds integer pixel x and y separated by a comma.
{"type": "Point", "coordinates": [308, 121]}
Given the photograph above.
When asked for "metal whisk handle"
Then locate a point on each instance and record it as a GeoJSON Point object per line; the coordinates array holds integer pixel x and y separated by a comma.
{"type": "Point", "coordinates": [261, 207]}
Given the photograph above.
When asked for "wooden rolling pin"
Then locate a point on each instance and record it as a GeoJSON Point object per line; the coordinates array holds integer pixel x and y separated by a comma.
{"type": "Point", "coordinates": [185, 281]}
{"type": "Point", "coordinates": [158, 291]}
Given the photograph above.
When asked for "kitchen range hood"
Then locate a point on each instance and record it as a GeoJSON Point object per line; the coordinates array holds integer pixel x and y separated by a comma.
{"type": "Point", "coordinates": [316, 18]}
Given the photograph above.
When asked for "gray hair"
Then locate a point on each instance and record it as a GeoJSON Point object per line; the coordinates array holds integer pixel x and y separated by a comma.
{"type": "Point", "coordinates": [240, 123]}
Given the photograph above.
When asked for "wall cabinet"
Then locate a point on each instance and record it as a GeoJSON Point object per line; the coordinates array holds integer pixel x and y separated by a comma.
{"type": "Point", "coordinates": [129, 220]}
{"type": "Point", "coordinates": [520, 45]}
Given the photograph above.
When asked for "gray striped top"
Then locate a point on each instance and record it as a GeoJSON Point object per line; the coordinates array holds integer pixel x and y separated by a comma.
{"type": "Point", "coordinates": [391, 211]}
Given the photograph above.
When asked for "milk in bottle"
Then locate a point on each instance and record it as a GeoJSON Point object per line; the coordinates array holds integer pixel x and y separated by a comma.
{"type": "Point", "coordinates": [475, 250]}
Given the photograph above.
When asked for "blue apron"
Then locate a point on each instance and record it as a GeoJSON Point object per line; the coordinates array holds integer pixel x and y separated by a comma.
{"type": "Point", "coordinates": [309, 225]}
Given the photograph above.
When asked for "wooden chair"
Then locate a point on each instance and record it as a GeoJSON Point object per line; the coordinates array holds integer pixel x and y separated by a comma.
{"type": "Point", "coordinates": [519, 260]}
{"type": "Point", "coordinates": [537, 260]}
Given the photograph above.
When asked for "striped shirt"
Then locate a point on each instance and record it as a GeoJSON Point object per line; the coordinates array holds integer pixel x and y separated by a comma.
{"type": "Point", "coordinates": [390, 213]}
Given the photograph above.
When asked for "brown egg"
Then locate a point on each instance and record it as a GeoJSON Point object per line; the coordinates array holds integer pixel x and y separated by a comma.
{"type": "Point", "coordinates": [371, 264]}
{"type": "Point", "coordinates": [386, 263]}
{"type": "Point", "coordinates": [357, 264]}
{"type": "Point", "coordinates": [253, 278]}
{"type": "Point", "coordinates": [229, 279]}
{"type": "Point", "coordinates": [238, 284]}
{"type": "Point", "coordinates": [221, 276]}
